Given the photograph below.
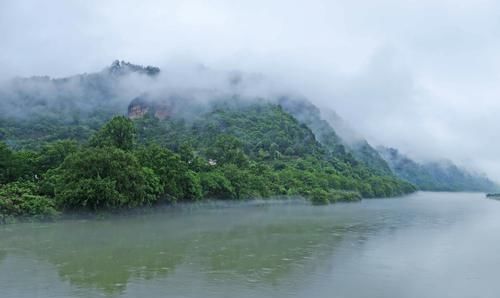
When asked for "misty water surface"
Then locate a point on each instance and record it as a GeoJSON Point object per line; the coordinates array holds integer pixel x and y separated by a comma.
{"type": "Point", "coordinates": [423, 245]}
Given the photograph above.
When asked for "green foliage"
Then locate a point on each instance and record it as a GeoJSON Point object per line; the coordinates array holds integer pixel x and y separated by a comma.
{"type": "Point", "coordinates": [53, 154]}
{"type": "Point", "coordinates": [319, 197]}
{"type": "Point", "coordinates": [232, 152]}
{"type": "Point", "coordinates": [178, 182]}
{"type": "Point", "coordinates": [322, 197]}
{"type": "Point", "coordinates": [215, 185]}
{"type": "Point", "coordinates": [7, 168]}
{"type": "Point", "coordinates": [20, 199]}
{"type": "Point", "coordinates": [16, 165]}
{"type": "Point", "coordinates": [119, 132]}
{"type": "Point", "coordinates": [239, 179]}
{"type": "Point", "coordinates": [228, 150]}
{"type": "Point", "coordinates": [103, 178]}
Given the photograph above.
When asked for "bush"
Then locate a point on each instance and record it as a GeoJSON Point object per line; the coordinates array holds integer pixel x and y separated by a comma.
{"type": "Point", "coordinates": [20, 199]}
{"type": "Point", "coordinates": [319, 197]}
{"type": "Point", "coordinates": [322, 197]}
{"type": "Point", "coordinates": [344, 196]}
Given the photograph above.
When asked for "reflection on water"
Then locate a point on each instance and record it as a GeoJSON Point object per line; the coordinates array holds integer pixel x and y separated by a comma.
{"type": "Point", "coordinates": [424, 245]}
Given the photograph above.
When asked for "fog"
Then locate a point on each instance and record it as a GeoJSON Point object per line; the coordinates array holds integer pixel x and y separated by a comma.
{"type": "Point", "coordinates": [417, 75]}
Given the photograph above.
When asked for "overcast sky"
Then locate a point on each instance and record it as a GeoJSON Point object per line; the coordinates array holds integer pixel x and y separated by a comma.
{"type": "Point", "coordinates": [422, 76]}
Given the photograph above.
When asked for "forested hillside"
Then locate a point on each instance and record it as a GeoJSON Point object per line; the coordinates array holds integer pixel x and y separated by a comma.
{"type": "Point", "coordinates": [324, 130]}
{"type": "Point", "coordinates": [436, 176]}
{"type": "Point", "coordinates": [65, 147]}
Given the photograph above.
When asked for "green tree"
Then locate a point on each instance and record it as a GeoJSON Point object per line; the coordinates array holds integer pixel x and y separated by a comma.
{"type": "Point", "coordinates": [119, 132]}
{"type": "Point", "coordinates": [216, 186]}
{"type": "Point", "coordinates": [16, 165]}
{"type": "Point", "coordinates": [239, 179]}
{"type": "Point", "coordinates": [228, 149]}
{"type": "Point", "coordinates": [53, 154]}
{"type": "Point", "coordinates": [104, 178]}
{"type": "Point", "coordinates": [7, 170]}
{"type": "Point", "coordinates": [177, 180]}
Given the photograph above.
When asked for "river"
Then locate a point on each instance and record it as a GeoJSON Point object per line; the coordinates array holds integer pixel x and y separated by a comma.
{"type": "Point", "coordinates": [422, 245]}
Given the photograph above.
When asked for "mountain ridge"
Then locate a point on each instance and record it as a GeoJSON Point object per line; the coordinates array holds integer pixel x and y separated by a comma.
{"type": "Point", "coordinates": [441, 175]}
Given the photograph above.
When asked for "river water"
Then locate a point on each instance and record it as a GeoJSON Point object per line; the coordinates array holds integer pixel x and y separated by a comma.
{"type": "Point", "coordinates": [423, 245]}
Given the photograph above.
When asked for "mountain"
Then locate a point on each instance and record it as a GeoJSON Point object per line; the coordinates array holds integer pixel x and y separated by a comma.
{"type": "Point", "coordinates": [435, 176]}
{"type": "Point", "coordinates": [66, 145]}
{"type": "Point", "coordinates": [48, 109]}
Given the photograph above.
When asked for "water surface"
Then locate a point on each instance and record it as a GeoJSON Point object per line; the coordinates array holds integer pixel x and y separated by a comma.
{"type": "Point", "coordinates": [423, 245]}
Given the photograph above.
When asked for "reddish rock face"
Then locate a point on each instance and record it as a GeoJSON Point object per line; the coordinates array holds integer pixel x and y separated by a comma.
{"type": "Point", "coordinates": [139, 107]}
{"type": "Point", "coordinates": [137, 111]}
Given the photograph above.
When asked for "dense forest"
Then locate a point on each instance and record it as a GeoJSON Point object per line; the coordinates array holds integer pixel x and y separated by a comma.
{"type": "Point", "coordinates": [230, 153]}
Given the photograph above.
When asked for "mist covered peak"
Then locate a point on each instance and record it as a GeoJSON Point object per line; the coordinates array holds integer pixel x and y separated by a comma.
{"type": "Point", "coordinates": [122, 67]}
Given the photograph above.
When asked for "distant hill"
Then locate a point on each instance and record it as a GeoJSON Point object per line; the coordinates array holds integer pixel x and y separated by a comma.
{"type": "Point", "coordinates": [435, 176]}
{"type": "Point", "coordinates": [325, 129]}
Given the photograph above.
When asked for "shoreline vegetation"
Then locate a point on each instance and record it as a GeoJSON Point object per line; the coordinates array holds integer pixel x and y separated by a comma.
{"type": "Point", "coordinates": [125, 165]}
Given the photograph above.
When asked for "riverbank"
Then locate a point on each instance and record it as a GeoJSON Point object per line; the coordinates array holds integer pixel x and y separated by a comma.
{"type": "Point", "coordinates": [317, 199]}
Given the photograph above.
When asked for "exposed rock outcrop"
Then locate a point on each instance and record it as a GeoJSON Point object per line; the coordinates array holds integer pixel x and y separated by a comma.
{"type": "Point", "coordinates": [141, 106]}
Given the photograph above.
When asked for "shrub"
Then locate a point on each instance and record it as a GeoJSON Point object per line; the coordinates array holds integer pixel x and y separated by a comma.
{"type": "Point", "coordinates": [19, 199]}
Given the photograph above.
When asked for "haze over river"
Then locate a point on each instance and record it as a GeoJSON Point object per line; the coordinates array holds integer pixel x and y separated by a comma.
{"type": "Point", "coordinates": [423, 245]}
